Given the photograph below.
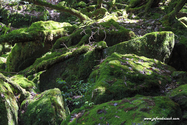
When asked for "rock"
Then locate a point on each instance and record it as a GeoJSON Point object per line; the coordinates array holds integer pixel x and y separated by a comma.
{"type": "Point", "coordinates": [24, 54]}
{"type": "Point", "coordinates": [42, 34]}
{"type": "Point", "coordinates": [8, 105]}
{"type": "Point", "coordinates": [45, 108]}
{"type": "Point", "coordinates": [179, 95]}
{"type": "Point", "coordinates": [158, 45]}
{"type": "Point", "coordinates": [130, 111]}
{"type": "Point", "coordinates": [120, 76]}
{"type": "Point", "coordinates": [24, 83]}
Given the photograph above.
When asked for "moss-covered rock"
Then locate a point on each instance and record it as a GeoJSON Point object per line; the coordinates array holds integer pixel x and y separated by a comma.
{"type": "Point", "coordinates": [43, 31]}
{"type": "Point", "coordinates": [8, 105]}
{"type": "Point", "coordinates": [130, 111]}
{"type": "Point", "coordinates": [157, 45]}
{"type": "Point", "coordinates": [120, 76]}
{"type": "Point", "coordinates": [71, 66]}
{"type": "Point", "coordinates": [24, 54]}
{"type": "Point", "coordinates": [45, 108]}
{"type": "Point", "coordinates": [24, 83]}
{"type": "Point", "coordinates": [180, 77]}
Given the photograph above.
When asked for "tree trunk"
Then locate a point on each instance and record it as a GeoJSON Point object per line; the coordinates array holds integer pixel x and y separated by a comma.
{"type": "Point", "coordinates": [171, 16]}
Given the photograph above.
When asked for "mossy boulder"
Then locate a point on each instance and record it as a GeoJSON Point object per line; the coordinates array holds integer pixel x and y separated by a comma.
{"type": "Point", "coordinates": [71, 66]}
{"type": "Point", "coordinates": [120, 76]}
{"type": "Point", "coordinates": [158, 45]}
{"type": "Point", "coordinates": [41, 31]}
{"type": "Point", "coordinates": [130, 111]}
{"type": "Point", "coordinates": [45, 108]}
{"type": "Point", "coordinates": [8, 104]}
{"type": "Point", "coordinates": [24, 54]}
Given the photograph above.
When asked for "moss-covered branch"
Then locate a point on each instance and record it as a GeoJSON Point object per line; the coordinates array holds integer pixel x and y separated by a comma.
{"type": "Point", "coordinates": [62, 8]}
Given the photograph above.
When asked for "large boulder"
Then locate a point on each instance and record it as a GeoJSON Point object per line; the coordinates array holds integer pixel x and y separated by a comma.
{"type": "Point", "coordinates": [24, 54]}
{"type": "Point", "coordinates": [32, 43]}
{"type": "Point", "coordinates": [73, 65]}
{"type": "Point", "coordinates": [45, 108]}
{"type": "Point", "coordinates": [138, 110]}
{"type": "Point", "coordinates": [157, 45]}
{"type": "Point", "coordinates": [120, 76]}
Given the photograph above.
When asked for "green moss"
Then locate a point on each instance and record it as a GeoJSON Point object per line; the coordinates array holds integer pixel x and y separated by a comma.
{"type": "Point", "coordinates": [179, 95]}
{"type": "Point", "coordinates": [101, 45]}
{"type": "Point", "coordinates": [46, 108]}
{"type": "Point", "coordinates": [24, 54]}
{"type": "Point", "coordinates": [8, 104]}
{"type": "Point", "coordinates": [41, 30]}
{"type": "Point", "coordinates": [180, 77]}
{"type": "Point", "coordinates": [24, 82]}
{"type": "Point", "coordinates": [122, 76]}
{"type": "Point", "coordinates": [20, 7]}
{"type": "Point", "coordinates": [129, 111]}
{"type": "Point", "coordinates": [158, 45]}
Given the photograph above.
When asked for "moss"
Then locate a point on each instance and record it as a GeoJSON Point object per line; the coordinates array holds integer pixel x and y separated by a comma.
{"type": "Point", "coordinates": [20, 7]}
{"type": "Point", "coordinates": [124, 75]}
{"type": "Point", "coordinates": [8, 105]}
{"type": "Point", "coordinates": [41, 30]}
{"type": "Point", "coordinates": [24, 82]}
{"type": "Point", "coordinates": [45, 108]}
{"type": "Point", "coordinates": [109, 30]}
{"type": "Point", "coordinates": [24, 54]}
{"type": "Point", "coordinates": [101, 45]}
{"type": "Point", "coordinates": [179, 95]}
{"type": "Point", "coordinates": [75, 66]}
{"type": "Point", "coordinates": [128, 111]}
{"type": "Point", "coordinates": [180, 77]}
{"type": "Point", "coordinates": [158, 45]}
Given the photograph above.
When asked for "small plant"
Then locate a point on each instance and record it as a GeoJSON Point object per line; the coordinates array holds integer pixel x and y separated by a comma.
{"type": "Point", "coordinates": [75, 94]}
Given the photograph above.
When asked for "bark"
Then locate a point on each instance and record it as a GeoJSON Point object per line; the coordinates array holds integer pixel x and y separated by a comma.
{"type": "Point", "coordinates": [142, 5]}
{"type": "Point", "coordinates": [61, 8]}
